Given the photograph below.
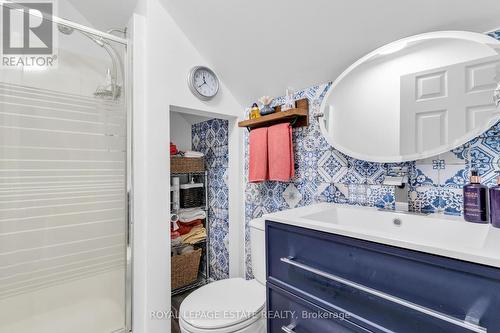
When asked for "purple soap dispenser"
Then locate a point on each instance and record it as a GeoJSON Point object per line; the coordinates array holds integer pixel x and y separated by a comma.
{"type": "Point", "coordinates": [475, 200]}
{"type": "Point", "coordinates": [495, 203]}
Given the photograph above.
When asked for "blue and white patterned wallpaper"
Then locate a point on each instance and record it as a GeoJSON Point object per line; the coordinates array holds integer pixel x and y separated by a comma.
{"type": "Point", "coordinates": [211, 138]}
{"type": "Point", "coordinates": [324, 174]}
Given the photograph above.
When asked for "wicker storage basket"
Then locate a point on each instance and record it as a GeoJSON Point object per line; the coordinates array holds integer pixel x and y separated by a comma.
{"type": "Point", "coordinates": [192, 195]}
{"type": "Point", "coordinates": [179, 164]}
{"type": "Point", "coordinates": [185, 268]}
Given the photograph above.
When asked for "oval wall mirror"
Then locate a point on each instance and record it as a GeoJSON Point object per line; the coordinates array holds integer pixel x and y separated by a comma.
{"type": "Point", "coordinates": [415, 98]}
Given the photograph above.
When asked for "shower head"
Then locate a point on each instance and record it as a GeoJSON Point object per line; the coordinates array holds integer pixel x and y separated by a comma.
{"type": "Point", "coordinates": [65, 29]}
{"type": "Point", "coordinates": [110, 88]}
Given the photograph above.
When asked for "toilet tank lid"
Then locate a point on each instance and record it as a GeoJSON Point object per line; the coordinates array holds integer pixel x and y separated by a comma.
{"type": "Point", "coordinates": [259, 223]}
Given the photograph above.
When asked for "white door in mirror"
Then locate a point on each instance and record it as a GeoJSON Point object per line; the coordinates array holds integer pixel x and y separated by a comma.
{"type": "Point", "coordinates": [414, 98]}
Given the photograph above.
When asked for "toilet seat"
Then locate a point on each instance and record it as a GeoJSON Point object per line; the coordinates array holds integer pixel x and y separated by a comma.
{"type": "Point", "coordinates": [247, 327]}
{"type": "Point", "coordinates": [224, 306]}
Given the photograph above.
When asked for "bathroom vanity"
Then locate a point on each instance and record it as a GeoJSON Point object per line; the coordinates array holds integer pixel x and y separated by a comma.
{"type": "Point", "coordinates": [333, 268]}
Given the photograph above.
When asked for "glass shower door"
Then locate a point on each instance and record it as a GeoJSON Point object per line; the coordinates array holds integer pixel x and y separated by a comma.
{"type": "Point", "coordinates": [63, 190]}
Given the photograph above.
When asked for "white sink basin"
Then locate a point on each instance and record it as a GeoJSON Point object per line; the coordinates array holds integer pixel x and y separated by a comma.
{"type": "Point", "coordinates": [438, 234]}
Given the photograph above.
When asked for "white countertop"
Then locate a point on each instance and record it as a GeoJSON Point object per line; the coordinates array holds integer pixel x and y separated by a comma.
{"type": "Point", "coordinates": [438, 234]}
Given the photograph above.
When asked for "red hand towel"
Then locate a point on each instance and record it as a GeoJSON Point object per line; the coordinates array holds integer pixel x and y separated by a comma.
{"type": "Point", "coordinates": [257, 168]}
{"type": "Point", "coordinates": [280, 151]}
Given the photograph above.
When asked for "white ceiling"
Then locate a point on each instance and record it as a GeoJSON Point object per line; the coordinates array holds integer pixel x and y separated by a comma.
{"type": "Point", "coordinates": [260, 47]}
{"type": "Point", "coordinates": [105, 14]}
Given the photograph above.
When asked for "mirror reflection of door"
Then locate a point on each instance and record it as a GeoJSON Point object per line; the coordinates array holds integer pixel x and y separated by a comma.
{"type": "Point", "coordinates": [442, 105]}
{"type": "Point", "coordinates": [414, 98]}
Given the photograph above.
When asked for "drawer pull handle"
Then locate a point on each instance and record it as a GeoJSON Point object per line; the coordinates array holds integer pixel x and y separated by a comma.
{"type": "Point", "coordinates": [474, 328]}
{"type": "Point", "coordinates": [288, 329]}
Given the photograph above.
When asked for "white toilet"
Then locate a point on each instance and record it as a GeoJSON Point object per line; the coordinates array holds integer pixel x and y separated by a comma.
{"type": "Point", "coordinates": [232, 305]}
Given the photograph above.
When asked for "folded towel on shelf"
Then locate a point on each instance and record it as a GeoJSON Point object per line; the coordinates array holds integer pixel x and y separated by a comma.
{"type": "Point", "coordinates": [191, 153]}
{"type": "Point", "coordinates": [192, 223]}
{"type": "Point", "coordinates": [175, 238]}
{"type": "Point", "coordinates": [185, 228]}
{"type": "Point", "coordinates": [280, 152]}
{"type": "Point", "coordinates": [257, 165]}
{"type": "Point", "coordinates": [197, 234]}
{"type": "Point", "coordinates": [191, 214]}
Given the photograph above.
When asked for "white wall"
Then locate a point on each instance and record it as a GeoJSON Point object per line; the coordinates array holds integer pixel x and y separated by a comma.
{"type": "Point", "coordinates": [180, 131]}
{"type": "Point", "coordinates": [162, 59]}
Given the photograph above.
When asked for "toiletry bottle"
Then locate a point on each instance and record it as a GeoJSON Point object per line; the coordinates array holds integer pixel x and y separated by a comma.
{"type": "Point", "coordinates": [254, 111]}
{"type": "Point", "coordinates": [475, 200]}
{"type": "Point", "coordinates": [495, 203]}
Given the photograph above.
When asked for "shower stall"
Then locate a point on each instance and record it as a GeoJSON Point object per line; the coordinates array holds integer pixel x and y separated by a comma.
{"type": "Point", "coordinates": [64, 187]}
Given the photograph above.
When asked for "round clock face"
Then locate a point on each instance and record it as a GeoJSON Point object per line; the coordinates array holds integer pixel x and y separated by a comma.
{"type": "Point", "coordinates": [203, 82]}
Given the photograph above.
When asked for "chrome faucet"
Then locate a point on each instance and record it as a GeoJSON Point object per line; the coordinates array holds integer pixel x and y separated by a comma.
{"type": "Point", "coordinates": [398, 177]}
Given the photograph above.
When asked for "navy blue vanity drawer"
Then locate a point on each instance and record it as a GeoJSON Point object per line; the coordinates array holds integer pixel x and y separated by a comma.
{"type": "Point", "coordinates": [288, 313]}
{"type": "Point", "coordinates": [448, 290]}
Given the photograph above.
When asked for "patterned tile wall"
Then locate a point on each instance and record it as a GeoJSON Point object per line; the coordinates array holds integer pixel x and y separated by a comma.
{"type": "Point", "coordinates": [211, 138]}
{"type": "Point", "coordinates": [325, 174]}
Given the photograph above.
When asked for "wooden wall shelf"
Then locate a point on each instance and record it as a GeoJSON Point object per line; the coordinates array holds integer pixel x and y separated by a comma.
{"type": "Point", "coordinates": [298, 117]}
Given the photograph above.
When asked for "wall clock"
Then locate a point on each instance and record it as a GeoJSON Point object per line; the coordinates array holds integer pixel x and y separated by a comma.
{"type": "Point", "coordinates": [203, 82]}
